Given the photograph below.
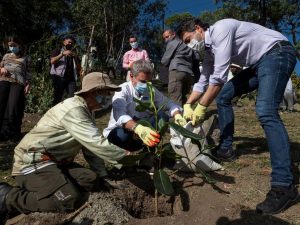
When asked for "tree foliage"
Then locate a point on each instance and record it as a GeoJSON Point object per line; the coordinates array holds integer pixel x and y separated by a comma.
{"type": "Point", "coordinates": [280, 15]}
{"type": "Point", "coordinates": [115, 20]}
{"type": "Point", "coordinates": [41, 23]}
{"type": "Point", "coordinates": [175, 20]}
{"type": "Point", "coordinates": [32, 20]}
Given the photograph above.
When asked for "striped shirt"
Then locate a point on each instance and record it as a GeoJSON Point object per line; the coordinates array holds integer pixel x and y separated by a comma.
{"type": "Point", "coordinates": [17, 69]}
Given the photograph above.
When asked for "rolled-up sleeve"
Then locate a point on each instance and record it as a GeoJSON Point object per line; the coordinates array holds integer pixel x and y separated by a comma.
{"type": "Point", "coordinates": [222, 51]}
{"type": "Point", "coordinates": [119, 108]}
{"type": "Point", "coordinates": [79, 124]}
{"type": "Point", "coordinates": [208, 69]}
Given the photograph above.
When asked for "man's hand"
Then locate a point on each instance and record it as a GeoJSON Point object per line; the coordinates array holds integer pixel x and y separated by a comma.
{"type": "Point", "coordinates": [180, 120]}
{"type": "Point", "coordinates": [187, 111]}
{"type": "Point", "coordinates": [67, 53]}
{"type": "Point", "coordinates": [3, 72]}
{"type": "Point", "coordinates": [147, 135]}
{"type": "Point", "coordinates": [130, 65]}
{"type": "Point", "coordinates": [199, 114]}
{"type": "Point", "coordinates": [26, 88]}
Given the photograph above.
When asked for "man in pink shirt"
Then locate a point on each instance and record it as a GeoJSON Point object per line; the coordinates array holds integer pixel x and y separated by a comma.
{"type": "Point", "coordinates": [133, 55]}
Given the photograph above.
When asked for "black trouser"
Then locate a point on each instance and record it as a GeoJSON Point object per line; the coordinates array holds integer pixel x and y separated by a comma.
{"type": "Point", "coordinates": [12, 104]}
{"type": "Point", "coordinates": [52, 189]}
{"type": "Point", "coordinates": [61, 84]}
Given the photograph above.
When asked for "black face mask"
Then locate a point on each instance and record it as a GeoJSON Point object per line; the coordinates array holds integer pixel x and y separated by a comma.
{"type": "Point", "coordinates": [69, 46]}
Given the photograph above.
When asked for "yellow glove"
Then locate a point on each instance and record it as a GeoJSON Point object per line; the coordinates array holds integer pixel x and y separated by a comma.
{"type": "Point", "coordinates": [187, 111]}
{"type": "Point", "coordinates": [180, 120]}
{"type": "Point", "coordinates": [199, 113]}
{"type": "Point", "coordinates": [147, 135]}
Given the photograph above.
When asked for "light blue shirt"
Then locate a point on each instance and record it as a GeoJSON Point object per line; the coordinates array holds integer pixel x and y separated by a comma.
{"type": "Point", "coordinates": [232, 41]}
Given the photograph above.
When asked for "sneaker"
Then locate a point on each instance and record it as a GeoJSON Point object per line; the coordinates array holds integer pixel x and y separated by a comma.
{"type": "Point", "coordinates": [4, 189]}
{"type": "Point", "coordinates": [277, 200]}
{"type": "Point", "coordinates": [226, 155]}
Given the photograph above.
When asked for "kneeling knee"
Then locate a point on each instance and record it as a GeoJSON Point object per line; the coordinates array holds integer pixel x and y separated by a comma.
{"type": "Point", "coordinates": [69, 201]}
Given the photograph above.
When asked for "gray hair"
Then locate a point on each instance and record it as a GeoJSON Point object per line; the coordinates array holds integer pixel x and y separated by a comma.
{"type": "Point", "coordinates": [141, 65]}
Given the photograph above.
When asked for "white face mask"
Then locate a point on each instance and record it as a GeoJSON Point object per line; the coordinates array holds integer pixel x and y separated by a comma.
{"type": "Point", "coordinates": [196, 45]}
{"type": "Point", "coordinates": [134, 45]}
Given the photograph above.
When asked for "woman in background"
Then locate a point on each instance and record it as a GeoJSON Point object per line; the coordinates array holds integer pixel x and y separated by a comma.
{"type": "Point", "coordinates": [14, 85]}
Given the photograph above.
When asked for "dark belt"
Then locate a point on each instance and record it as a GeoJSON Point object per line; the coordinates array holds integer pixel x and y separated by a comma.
{"type": "Point", "coordinates": [280, 44]}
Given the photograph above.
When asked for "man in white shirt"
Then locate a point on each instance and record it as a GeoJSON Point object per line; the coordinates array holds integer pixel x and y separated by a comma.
{"type": "Point", "coordinates": [123, 129]}
{"type": "Point", "coordinates": [270, 59]}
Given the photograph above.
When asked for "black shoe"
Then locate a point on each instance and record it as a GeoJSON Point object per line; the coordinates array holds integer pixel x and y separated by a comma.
{"type": "Point", "coordinates": [4, 189]}
{"type": "Point", "coordinates": [278, 199]}
{"type": "Point", "coordinates": [226, 155]}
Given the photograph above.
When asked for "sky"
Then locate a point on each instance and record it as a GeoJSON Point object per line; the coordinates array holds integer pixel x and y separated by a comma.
{"type": "Point", "coordinates": [195, 7]}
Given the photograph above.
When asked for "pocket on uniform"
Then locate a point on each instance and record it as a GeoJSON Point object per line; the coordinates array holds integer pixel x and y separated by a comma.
{"type": "Point", "coordinates": [51, 187]}
{"type": "Point", "coordinates": [50, 181]}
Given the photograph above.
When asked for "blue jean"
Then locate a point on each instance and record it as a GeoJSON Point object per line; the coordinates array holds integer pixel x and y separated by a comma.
{"type": "Point", "coordinates": [269, 76]}
{"type": "Point", "coordinates": [128, 139]}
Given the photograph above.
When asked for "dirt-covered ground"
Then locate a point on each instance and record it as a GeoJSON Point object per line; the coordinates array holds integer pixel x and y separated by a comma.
{"type": "Point", "coordinates": [231, 200]}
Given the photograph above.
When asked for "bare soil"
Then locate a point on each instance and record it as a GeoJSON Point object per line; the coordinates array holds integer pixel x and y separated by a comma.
{"type": "Point", "coordinates": [231, 200]}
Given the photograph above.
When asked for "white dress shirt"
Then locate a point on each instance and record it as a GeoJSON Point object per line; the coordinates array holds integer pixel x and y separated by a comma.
{"type": "Point", "coordinates": [232, 41]}
{"type": "Point", "coordinates": [123, 106]}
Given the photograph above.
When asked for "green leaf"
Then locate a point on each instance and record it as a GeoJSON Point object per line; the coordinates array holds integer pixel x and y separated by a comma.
{"type": "Point", "coordinates": [141, 102]}
{"type": "Point", "coordinates": [145, 123]}
{"type": "Point", "coordinates": [168, 151]}
{"type": "Point", "coordinates": [184, 132]}
{"type": "Point", "coordinates": [162, 126]}
{"type": "Point", "coordinates": [151, 91]}
{"type": "Point", "coordinates": [141, 108]}
{"type": "Point", "coordinates": [162, 182]}
{"type": "Point", "coordinates": [130, 160]}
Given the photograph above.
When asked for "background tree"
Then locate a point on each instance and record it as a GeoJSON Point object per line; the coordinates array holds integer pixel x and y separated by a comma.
{"type": "Point", "coordinates": [280, 15]}
{"type": "Point", "coordinates": [32, 20]}
{"type": "Point", "coordinates": [115, 20]}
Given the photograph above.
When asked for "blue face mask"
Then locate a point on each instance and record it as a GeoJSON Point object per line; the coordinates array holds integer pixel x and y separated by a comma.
{"type": "Point", "coordinates": [141, 88]}
{"type": "Point", "coordinates": [101, 99]}
{"type": "Point", "coordinates": [134, 45]}
{"type": "Point", "coordinates": [14, 49]}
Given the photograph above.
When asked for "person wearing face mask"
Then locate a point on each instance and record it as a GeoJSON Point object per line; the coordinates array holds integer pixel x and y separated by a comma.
{"type": "Point", "coordinates": [65, 67]}
{"type": "Point", "coordinates": [48, 178]}
{"type": "Point", "coordinates": [14, 86]}
{"type": "Point", "coordinates": [269, 59]}
{"type": "Point", "coordinates": [133, 55]}
{"type": "Point", "coordinates": [181, 60]}
{"type": "Point", "coordinates": [123, 129]}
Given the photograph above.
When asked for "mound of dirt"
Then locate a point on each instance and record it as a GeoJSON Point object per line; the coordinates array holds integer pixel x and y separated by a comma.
{"type": "Point", "coordinates": [101, 209]}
